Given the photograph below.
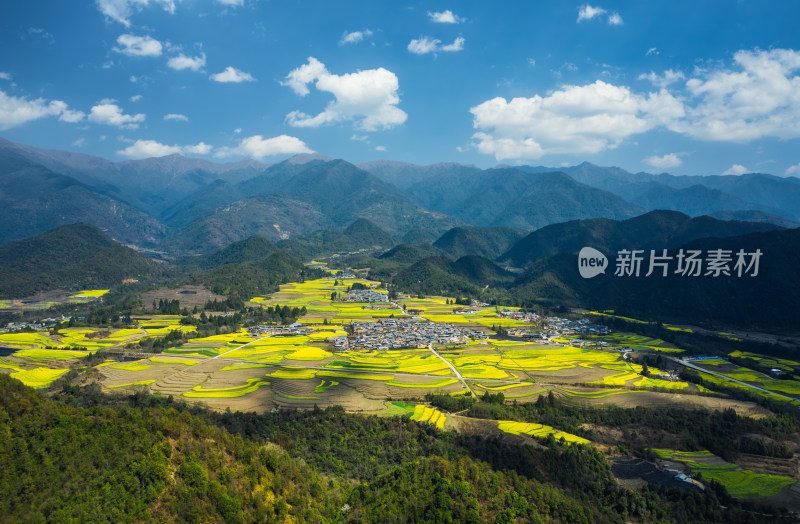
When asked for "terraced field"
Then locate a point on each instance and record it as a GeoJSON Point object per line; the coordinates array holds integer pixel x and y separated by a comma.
{"type": "Point", "coordinates": [739, 482]}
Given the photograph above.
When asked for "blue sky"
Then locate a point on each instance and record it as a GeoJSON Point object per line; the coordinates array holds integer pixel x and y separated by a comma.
{"type": "Point", "coordinates": [685, 87]}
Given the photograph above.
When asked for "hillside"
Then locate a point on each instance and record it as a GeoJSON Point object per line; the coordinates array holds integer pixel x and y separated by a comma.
{"type": "Point", "coordinates": [270, 216]}
{"type": "Point", "coordinates": [510, 197]}
{"type": "Point", "coordinates": [438, 275]}
{"type": "Point", "coordinates": [35, 199]}
{"type": "Point", "coordinates": [73, 257]}
{"type": "Point", "coordinates": [653, 230]}
{"type": "Point", "coordinates": [760, 302]}
{"type": "Point", "coordinates": [481, 241]}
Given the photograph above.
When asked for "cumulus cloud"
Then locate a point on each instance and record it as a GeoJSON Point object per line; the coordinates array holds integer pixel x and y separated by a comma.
{"type": "Point", "coordinates": [176, 116]}
{"type": "Point", "coordinates": [573, 119]}
{"type": "Point", "coordinates": [665, 162]}
{"type": "Point", "coordinates": [133, 45]}
{"type": "Point", "coordinates": [369, 98]}
{"type": "Point", "coordinates": [793, 170]}
{"type": "Point", "coordinates": [652, 51]}
{"type": "Point", "coordinates": [136, 98]}
{"type": "Point", "coordinates": [614, 19]}
{"type": "Point", "coordinates": [151, 148]}
{"type": "Point", "coordinates": [258, 147]}
{"type": "Point", "coordinates": [232, 3]}
{"type": "Point", "coordinates": [669, 77]}
{"type": "Point", "coordinates": [181, 62]}
{"type": "Point", "coordinates": [445, 17]}
{"type": "Point", "coordinates": [15, 111]}
{"type": "Point", "coordinates": [232, 75]}
{"type": "Point", "coordinates": [423, 45]}
{"type": "Point", "coordinates": [5, 76]}
{"type": "Point", "coordinates": [354, 37]}
{"type": "Point", "coordinates": [754, 98]}
{"type": "Point", "coordinates": [457, 45]}
{"type": "Point", "coordinates": [121, 10]}
{"type": "Point", "coordinates": [736, 169]}
{"type": "Point", "coordinates": [380, 148]}
{"type": "Point", "coordinates": [109, 113]}
{"type": "Point", "coordinates": [427, 44]}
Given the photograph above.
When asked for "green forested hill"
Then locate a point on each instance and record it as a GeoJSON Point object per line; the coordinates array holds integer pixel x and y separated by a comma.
{"type": "Point", "coordinates": [74, 257]}
{"type": "Point", "coordinates": [83, 456]}
{"type": "Point", "coordinates": [64, 464]}
{"type": "Point", "coordinates": [487, 242]}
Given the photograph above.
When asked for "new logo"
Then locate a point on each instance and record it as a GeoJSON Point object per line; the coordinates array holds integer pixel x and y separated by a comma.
{"type": "Point", "coordinates": [591, 262]}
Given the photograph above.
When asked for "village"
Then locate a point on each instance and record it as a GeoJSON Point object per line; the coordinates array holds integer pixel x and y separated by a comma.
{"type": "Point", "coordinates": [400, 334]}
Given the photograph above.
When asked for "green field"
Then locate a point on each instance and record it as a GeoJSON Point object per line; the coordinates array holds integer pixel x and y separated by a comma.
{"type": "Point", "coordinates": [740, 483]}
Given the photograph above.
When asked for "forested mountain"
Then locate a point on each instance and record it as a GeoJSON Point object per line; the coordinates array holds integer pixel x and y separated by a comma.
{"type": "Point", "coordinates": [73, 257]}
{"type": "Point", "coordinates": [653, 230]}
{"type": "Point", "coordinates": [487, 242]}
{"type": "Point", "coordinates": [271, 216]}
{"type": "Point", "coordinates": [760, 302]}
{"type": "Point", "coordinates": [509, 197]}
{"type": "Point", "coordinates": [34, 200]}
{"type": "Point", "coordinates": [439, 275]}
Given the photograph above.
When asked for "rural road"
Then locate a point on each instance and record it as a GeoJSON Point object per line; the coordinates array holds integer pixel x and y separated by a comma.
{"type": "Point", "coordinates": [455, 371]}
{"type": "Point", "coordinates": [703, 370]}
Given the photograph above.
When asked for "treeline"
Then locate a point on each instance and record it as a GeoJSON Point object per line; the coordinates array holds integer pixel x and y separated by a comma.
{"type": "Point", "coordinates": [724, 433]}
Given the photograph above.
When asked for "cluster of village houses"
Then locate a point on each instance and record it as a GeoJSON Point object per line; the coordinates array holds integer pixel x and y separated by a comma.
{"type": "Point", "coordinates": [396, 334]}
{"type": "Point", "coordinates": [365, 295]}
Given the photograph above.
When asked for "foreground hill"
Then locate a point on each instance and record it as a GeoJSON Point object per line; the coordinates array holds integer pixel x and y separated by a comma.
{"type": "Point", "coordinates": [653, 230]}
{"type": "Point", "coordinates": [73, 257]}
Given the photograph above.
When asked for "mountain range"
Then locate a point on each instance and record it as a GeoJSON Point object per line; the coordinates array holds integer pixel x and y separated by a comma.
{"type": "Point", "coordinates": [178, 205]}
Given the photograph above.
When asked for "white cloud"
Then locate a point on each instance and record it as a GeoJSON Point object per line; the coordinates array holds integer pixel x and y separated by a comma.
{"type": "Point", "coordinates": [182, 62]}
{"type": "Point", "coordinates": [108, 112]}
{"type": "Point", "coordinates": [133, 45]}
{"type": "Point", "coordinates": [232, 3]}
{"type": "Point", "coordinates": [237, 130]}
{"type": "Point", "coordinates": [445, 17]}
{"type": "Point", "coordinates": [666, 161]}
{"type": "Point", "coordinates": [231, 74]}
{"type": "Point", "coordinates": [423, 45]}
{"type": "Point", "coordinates": [258, 147]}
{"type": "Point", "coordinates": [587, 12]}
{"type": "Point", "coordinates": [532, 62]}
{"type": "Point", "coordinates": [150, 148]}
{"type": "Point", "coordinates": [5, 76]}
{"type": "Point", "coordinates": [367, 97]}
{"type": "Point", "coordinates": [427, 44]}
{"type": "Point", "coordinates": [574, 119]}
{"type": "Point", "coordinates": [79, 142]}
{"type": "Point", "coordinates": [121, 10]}
{"type": "Point", "coordinates": [793, 170]}
{"type": "Point", "coordinates": [15, 111]}
{"type": "Point", "coordinates": [669, 77]}
{"type": "Point", "coordinates": [380, 148]}
{"type": "Point", "coordinates": [198, 149]}
{"type": "Point", "coordinates": [652, 51]}
{"type": "Point", "coordinates": [354, 37]}
{"type": "Point", "coordinates": [457, 45]}
{"type": "Point", "coordinates": [736, 169]}
{"type": "Point", "coordinates": [757, 97]}
{"type": "Point", "coordinates": [136, 98]}
{"type": "Point", "coordinates": [176, 116]}
{"type": "Point", "coordinates": [761, 97]}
